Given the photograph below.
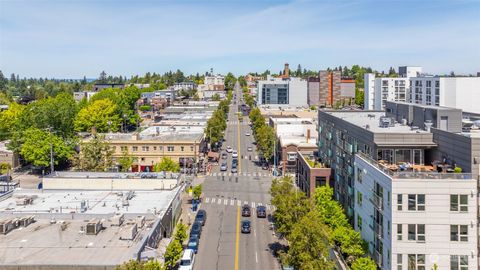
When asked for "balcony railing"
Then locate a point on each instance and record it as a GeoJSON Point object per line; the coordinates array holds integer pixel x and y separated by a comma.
{"type": "Point", "coordinates": [377, 201]}
{"type": "Point", "coordinates": [378, 229]}
{"type": "Point", "coordinates": [378, 258]}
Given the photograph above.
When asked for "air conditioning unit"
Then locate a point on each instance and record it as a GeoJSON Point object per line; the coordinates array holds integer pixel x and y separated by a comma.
{"type": "Point", "coordinates": [6, 226]}
{"type": "Point", "coordinates": [25, 221]}
{"type": "Point", "coordinates": [117, 220]}
{"type": "Point", "coordinates": [140, 221]}
{"type": "Point", "coordinates": [128, 232]}
{"type": "Point", "coordinates": [93, 227]}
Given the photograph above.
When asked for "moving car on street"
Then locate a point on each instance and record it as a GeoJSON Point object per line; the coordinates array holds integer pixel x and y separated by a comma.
{"type": "Point", "coordinates": [234, 168]}
{"type": "Point", "coordinates": [201, 216]}
{"type": "Point", "coordinates": [261, 211]}
{"type": "Point", "coordinates": [247, 134]}
{"type": "Point", "coordinates": [224, 166]}
{"type": "Point", "coordinates": [245, 226]}
{"type": "Point", "coordinates": [224, 155]}
{"type": "Point", "coordinates": [249, 149]}
{"type": "Point", "coordinates": [246, 210]}
{"type": "Point", "coordinates": [229, 149]}
{"type": "Point", "coordinates": [234, 154]}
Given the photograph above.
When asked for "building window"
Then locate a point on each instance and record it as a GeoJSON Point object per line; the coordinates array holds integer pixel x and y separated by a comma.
{"type": "Point", "coordinates": [182, 148]}
{"type": "Point", "coordinates": [458, 262]}
{"type": "Point", "coordinates": [124, 148]}
{"type": "Point", "coordinates": [160, 148]}
{"type": "Point", "coordinates": [145, 148]}
{"type": "Point", "coordinates": [458, 203]}
{"type": "Point", "coordinates": [134, 148]}
{"type": "Point", "coordinates": [399, 202]}
{"type": "Point", "coordinates": [416, 261]}
{"type": "Point", "coordinates": [113, 148]}
{"type": "Point", "coordinates": [154, 148]}
{"type": "Point", "coordinates": [359, 175]}
{"type": "Point", "coordinates": [416, 202]}
{"type": "Point", "coordinates": [359, 222]}
{"type": "Point", "coordinates": [399, 261]}
{"type": "Point", "coordinates": [399, 232]}
{"type": "Point", "coordinates": [170, 148]}
{"type": "Point", "coordinates": [359, 198]}
{"type": "Point", "coordinates": [291, 156]}
{"type": "Point", "coordinates": [142, 159]}
{"type": "Point", "coordinates": [191, 148]}
{"type": "Point", "coordinates": [416, 232]}
{"type": "Point", "coordinates": [459, 233]}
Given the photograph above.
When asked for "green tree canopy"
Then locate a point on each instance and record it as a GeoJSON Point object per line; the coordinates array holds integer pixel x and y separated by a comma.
{"type": "Point", "coordinates": [364, 264]}
{"type": "Point", "coordinates": [350, 242]}
{"type": "Point", "coordinates": [100, 114]}
{"type": "Point", "coordinates": [138, 265]}
{"type": "Point", "coordinates": [330, 211]}
{"type": "Point", "coordinates": [95, 155]}
{"type": "Point", "coordinates": [173, 253]}
{"type": "Point", "coordinates": [197, 191]}
{"type": "Point", "coordinates": [166, 165]}
{"type": "Point", "coordinates": [10, 120]}
{"type": "Point", "coordinates": [181, 232]}
{"type": "Point", "coordinates": [125, 161]}
{"type": "Point", "coordinates": [36, 148]}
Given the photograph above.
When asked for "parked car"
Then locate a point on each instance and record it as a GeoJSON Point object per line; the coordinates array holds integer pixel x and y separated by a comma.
{"type": "Point", "coordinates": [246, 210]}
{"type": "Point", "coordinates": [229, 149]}
{"type": "Point", "coordinates": [245, 226]}
{"type": "Point", "coordinates": [201, 216]}
{"type": "Point", "coordinates": [193, 243]}
{"type": "Point", "coordinates": [223, 167]}
{"type": "Point", "coordinates": [249, 149]}
{"type": "Point", "coordinates": [224, 155]}
{"type": "Point", "coordinates": [234, 154]}
{"type": "Point", "coordinates": [261, 211]}
{"type": "Point", "coordinates": [188, 260]}
{"type": "Point", "coordinates": [247, 134]}
{"type": "Point", "coordinates": [196, 229]}
{"type": "Point", "coordinates": [265, 166]}
{"type": "Point", "coordinates": [234, 169]}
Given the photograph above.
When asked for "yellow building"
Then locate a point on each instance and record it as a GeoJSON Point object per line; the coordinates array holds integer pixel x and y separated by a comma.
{"type": "Point", "coordinates": [183, 146]}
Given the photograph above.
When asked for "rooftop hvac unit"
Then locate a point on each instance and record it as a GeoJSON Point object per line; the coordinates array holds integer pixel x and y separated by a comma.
{"type": "Point", "coordinates": [25, 221]}
{"type": "Point", "coordinates": [128, 232]}
{"type": "Point", "coordinates": [24, 201]}
{"type": "Point", "coordinates": [93, 227]}
{"type": "Point", "coordinates": [140, 221]}
{"type": "Point", "coordinates": [117, 220]}
{"type": "Point", "coordinates": [83, 206]}
{"type": "Point", "coordinates": [125, 202]}
{"type": "Point", "coordinates": [386, 122]}
{"type": "Point", "coordinates": [6, 226]}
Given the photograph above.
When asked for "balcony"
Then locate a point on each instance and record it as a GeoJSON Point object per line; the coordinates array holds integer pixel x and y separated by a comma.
{"type": "Point", "coordinates": [377, 201]}
{"type": "Point", "coordinates": [378, 258]}
{"type": "Point", "coordinates": [378, 230]}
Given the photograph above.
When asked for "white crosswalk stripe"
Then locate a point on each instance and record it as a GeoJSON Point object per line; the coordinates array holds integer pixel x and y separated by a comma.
{"type": "Point", "coordinates": [225, 202]}
{"type": "Point", "coordinates": [253, 204]}
{"type": "Point", "coordinates": [207, 199]}
{"type": "Point", "coordinates": [259, 204]}
{"type": "Point", "coordinates": [239, 203]}
{"type": "Point", "coordinates": [232, 202]}
{"type": "Point", "coordinates": [246, 202]}
{"type": "Point", "coordinates": [213, 200]}
{"type": "Point", "coordinates": [219, 201]}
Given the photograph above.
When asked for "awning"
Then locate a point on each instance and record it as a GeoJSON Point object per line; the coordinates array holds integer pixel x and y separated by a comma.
{"type": "Point", "coordinates": [213, 155]}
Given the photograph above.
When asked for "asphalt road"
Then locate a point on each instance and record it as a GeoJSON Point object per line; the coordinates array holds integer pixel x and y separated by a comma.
{"type": "Point", "coordinates": [222, 245]}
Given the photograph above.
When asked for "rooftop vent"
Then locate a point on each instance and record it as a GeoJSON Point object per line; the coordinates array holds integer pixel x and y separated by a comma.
{"type": "Point", "coordinates": [386, 122]}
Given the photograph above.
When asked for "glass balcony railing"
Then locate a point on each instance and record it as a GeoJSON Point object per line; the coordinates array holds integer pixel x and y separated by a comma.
{"type": "Point", "coordinates": [377, 201]}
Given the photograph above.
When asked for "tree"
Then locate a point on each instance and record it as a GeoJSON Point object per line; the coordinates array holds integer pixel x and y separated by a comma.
{"type": "Point", "coordinates": [309, 244]}
{"type": "Point", "coordinates": [330, 211]}
{"type": "Point", "coordinates": [103, 77]}
{"type": "Point", "coordinates": [10, 120]}
{"type": "Point", "coordinates": [4, 167]}
{"type": "Point", "coordinates": [95, 155]}
{"type": "Point", "coordinates": [197, 192]}
{"type": "Point", "coordinates": [166, 165]}
{"type": "Point", "coordinates": [125, 161]}
{"type": "Point", "coordinates": [181, 232]}
{"type": "Point", "coordinates": [299, 71]}
{"type": "Point", "coordinates": [173, 253]}
{"type": "Point", "coordinates": [37, 145]}
{"type": "Point", "coordinates": [359, 97]}
{"type": "Point", "coordinates": [350, 242]}
{"type": "Point", "coordinates": [99, 114]}
{"type": "Point", "coordinates": [265, 136]}
{"type": "Point", "coordinates": [364, 264]}
{"type": "Point", "coordinates": [291, 204]}
{"type": "Point", "coordinates": [145, 108]}
{"type": "Point", "coordinates": [138, 265]}
{"type": "Point", "coordinates": [216, 97]}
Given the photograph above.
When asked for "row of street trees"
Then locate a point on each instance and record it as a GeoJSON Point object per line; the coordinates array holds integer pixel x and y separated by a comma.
{"type": "Point", "coordinates": [264, 134]}
{"type": "Point", "coordinates": [247, 97]}
{"type": "Point", "coordinates": [313, 226]}
{"type": "Point", "coordinates": [217, 124]}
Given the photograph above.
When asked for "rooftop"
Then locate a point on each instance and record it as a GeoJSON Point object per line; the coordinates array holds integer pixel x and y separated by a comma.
{"type": "Point", "coordinates": [162, 133]}
{"type": "Point", "coordinates": [370, 120]}
{"type": "Point", "coordinates": [48, 203]}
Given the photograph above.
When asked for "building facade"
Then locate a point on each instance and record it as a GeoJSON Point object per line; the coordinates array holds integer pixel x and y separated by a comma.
{"type": "Point", "coordinates": [416, 220]}
{"type": "Point", "coordinates": [380, 90]}
{"type": "Point", "coordinates": [454, 92]}
{"type": "Point", "coordinates": [282, 91]}
{"type": "Point", "coordinates": [310, 173]}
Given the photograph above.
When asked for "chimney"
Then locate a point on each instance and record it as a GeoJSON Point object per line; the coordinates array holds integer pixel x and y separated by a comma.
{"type": "Point", "coordinates": [286, 71]}
{"type": "Point", "coordinates": [308, 135]}
{"type": "Point", "coordinates": [135, 136]}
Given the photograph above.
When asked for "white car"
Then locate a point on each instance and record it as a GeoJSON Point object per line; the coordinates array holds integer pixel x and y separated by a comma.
{"type": "Point", "coordinates": [247, 134]}
{"type": "Point", "coordinates": [188, 259]}
{"type": "Point", "coordinates": [234, 154]}
{"type": "Point", "coordinates": [229, 149]}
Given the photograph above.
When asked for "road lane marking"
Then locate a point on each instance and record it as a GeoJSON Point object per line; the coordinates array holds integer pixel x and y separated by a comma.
{"type": "Point", "coordinates": [253, 205]}
{"type": "Point", "coordinates": [232, 202]}
{"type": "Point", "coordinates": [239, 203]}
{"type": "Point", "coordinates": [239, 147]}
{"type": "Point", "coordinates": [237, 238]}
{"type": "Point", "coordinates": [225, 202]}
{"type": "Point", "coordinates": [219, 201]}
{"type": "Point", "coordinates": [256, 257]}
{"type": "Point", "coordinates": [207, 199]}
{"type": "Point", "coordinates": [246, 202]}
{"type": "Point", "coordinates": [259, 204]}
{"type": "Point", "coordinates": [213, 200]}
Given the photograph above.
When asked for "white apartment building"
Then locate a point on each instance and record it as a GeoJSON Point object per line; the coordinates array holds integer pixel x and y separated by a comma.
{"type": "Point", "coordinates": [379, 90]}
{"type": "Point", "coordinates": [282, 91]}
{"type": "Point", "coordinates": [455, 92]}
{"type": "Point", "coordinates": [416, 220]}
{"type": "Point", "coordinates": [214, 80]}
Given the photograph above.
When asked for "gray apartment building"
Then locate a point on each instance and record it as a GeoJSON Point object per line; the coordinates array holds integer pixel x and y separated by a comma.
{"type": "Point", "coordinates": [342, 134]}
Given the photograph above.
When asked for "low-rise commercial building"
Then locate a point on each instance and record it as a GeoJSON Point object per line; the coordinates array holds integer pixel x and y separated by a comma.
{"type": "Point", "coordinates": [186, 86]}
{"type": "Point", "coordinates": [310, 173]}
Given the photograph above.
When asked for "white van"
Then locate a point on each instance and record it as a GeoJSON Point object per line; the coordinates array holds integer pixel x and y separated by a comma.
{"type": "Point", "coordinates": [188, 259]}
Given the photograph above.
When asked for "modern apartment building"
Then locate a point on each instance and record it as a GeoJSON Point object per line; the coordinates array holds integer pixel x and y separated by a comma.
{"type": "Point", "coordinates": [187, 85]}
{"type": "Point", "coordinates": [329, 89]}
{"type": "Point", "coordinates": [342, 134]}
{"type": "Point", "coordinates": [378, 90]}
{"type": "Point", "coordinates": [282, 91]}
{"type": "Point", "coordinates": [454, 92]}
{"type": "Point", "coordinates": [416, 219]}
{"type": "Point", "coordinates": [214, 82]}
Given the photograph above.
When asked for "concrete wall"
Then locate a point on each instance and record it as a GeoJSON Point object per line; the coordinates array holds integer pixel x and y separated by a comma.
{"type": "Point", "coordinates": [108, 184]}
{"type": "Point", "coordinates": [313, 92]}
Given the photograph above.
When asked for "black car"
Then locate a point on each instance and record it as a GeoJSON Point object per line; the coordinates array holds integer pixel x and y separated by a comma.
{"type": "Point", "coordinates": [224, 155]}
{"type": "Point", "coordinates": [201, 216]}
{"type": "Point", "coordinates": [245, 226]}
{"type": "Point", "coordinates": [196, 229]}
{"type": "Point", "coordinates": [234, 162]}
{"type": "Point", "coordinates": [261, 211]}
{"type": "Point", "coordinates": [246, 211]}
{"type": "Point", "coordinates": [264, 166]}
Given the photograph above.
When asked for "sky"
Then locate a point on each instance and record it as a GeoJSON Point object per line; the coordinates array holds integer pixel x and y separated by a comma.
{"type": "Point", "coordinates": [72, 39]}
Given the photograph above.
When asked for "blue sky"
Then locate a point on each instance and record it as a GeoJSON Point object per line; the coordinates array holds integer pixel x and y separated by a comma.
{"type": "Point", "coordinates": [70, 39]}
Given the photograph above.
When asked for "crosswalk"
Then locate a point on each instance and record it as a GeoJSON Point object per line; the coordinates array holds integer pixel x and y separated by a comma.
{"type": "Point", "coordinates": [236, 122]}
{"type": "Point", "coordinates": [236, 202]}
{"type": "Point", "coordinates": [253, 174]}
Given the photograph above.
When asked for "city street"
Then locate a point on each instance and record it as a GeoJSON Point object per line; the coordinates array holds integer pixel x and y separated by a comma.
{"type": "Point", "coordinates": [222, 245]}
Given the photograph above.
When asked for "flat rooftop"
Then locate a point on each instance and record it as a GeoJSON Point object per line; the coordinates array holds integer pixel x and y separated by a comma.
{"type": "Point", "coordinates": [42, 243]}
{"type": "Point", "coordinates": [105, 203]}
{"type": "Point", "coordinates": [371, 120]}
